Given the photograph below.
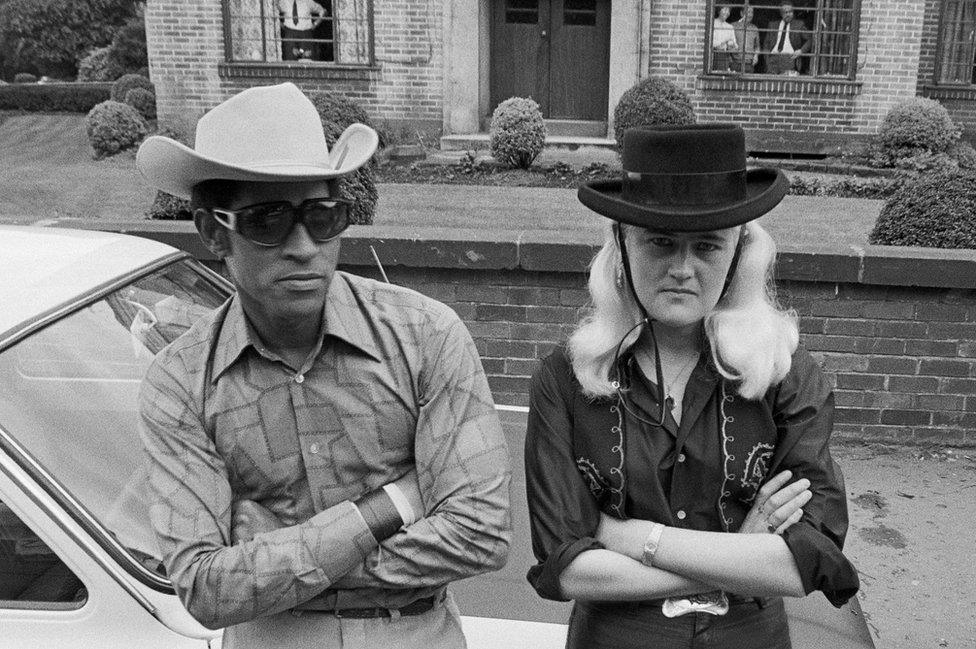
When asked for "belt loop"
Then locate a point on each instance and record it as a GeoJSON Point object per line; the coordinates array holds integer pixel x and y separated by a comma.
{"type": "Point", "coordinates": [395, 614]}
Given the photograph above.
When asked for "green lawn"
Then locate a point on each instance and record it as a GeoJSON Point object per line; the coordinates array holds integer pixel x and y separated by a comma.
{"type": "Point", "coordinates": [47, 172]}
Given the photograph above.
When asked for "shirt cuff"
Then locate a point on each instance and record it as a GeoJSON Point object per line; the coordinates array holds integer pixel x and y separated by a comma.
{"type": "Point", "coordinates": [342, 539]}
{"type": "Point", "coordinates": [544, 577]}
{"type": "Point", "coordinates": [821, 564]}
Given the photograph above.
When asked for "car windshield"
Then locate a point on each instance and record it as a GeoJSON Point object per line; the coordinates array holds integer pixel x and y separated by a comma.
{"type": "Point", "coordinates": [70, 394]}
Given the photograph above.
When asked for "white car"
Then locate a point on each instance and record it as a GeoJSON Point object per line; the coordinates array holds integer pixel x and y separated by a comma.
{"type": "Point", "coordinates": [81, 315]}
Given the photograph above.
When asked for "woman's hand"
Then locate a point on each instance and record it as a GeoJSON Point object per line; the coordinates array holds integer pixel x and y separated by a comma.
{"type": "Point", "coordinates": [777, 505]}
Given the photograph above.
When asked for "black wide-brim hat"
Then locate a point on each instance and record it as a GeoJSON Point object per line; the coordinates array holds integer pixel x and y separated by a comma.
{"type": "Point", "coordinates": [688, 178]}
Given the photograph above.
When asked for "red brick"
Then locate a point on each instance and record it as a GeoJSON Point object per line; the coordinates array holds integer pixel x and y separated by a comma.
{"type": "Point", "coordinates": [946, 368]}
{"type": "Point", "coordinates": [499, 313]}
{"type": "Point", "coordinates": [857, 416]}
{"type": "Point", "coordinates": [892, 365]}
{"type": "Point", "coordinates": [906, 417]}
{"type": "Point", "coordinates": [861, 381]}
{"type": "Point", "coordinates": [914, 384]}
{"type": "Point", "coordinates": [931, 348]}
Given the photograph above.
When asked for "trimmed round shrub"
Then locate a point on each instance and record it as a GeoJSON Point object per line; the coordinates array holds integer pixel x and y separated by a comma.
{"type": "Point", "coordinates": [98, 66]}
{"type": "Point", "coordinates": [167, 207]}
{"type": "Point", "coordinates": [919, 123]}
{"type": "Point", "coordinates": [113, 126]}
{"type": "Point", "coordinates": [517, 133]}
{"type": "Point", "coordinates": [336, 114]}
{"type": "Point", "coordinates": [936, 211]}
{"type": "Point", "coordinates": [964, 154]}
{"type": "Point", "coordinates": [128, 82]}
{"type": "Point", "coordinates": [143, 101]}
{"type": "Point", "coordinates": [25, 77]}
{"type": "Point", "coordinates": [653, 100]}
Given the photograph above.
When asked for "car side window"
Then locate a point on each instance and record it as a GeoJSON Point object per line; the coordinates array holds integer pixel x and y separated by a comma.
{"type": "Point", "coordinates": [31, 574]}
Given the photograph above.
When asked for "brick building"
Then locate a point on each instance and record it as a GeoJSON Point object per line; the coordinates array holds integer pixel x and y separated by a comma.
{"type": "Point", "coordinates": [439, 67]}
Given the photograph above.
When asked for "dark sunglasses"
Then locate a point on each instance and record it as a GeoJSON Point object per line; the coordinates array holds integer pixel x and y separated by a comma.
{"type": "Point", "coordinates": [270, 224]}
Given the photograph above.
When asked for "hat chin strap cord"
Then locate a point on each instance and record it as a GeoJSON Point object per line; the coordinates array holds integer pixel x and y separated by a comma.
{"type": "Point", "coordinates": [647, 321]}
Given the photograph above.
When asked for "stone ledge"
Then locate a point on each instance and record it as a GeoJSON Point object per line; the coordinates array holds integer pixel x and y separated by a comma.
{"type": "Point", "coordinates": [570, 252]}
{"type": "Point", "coordinates": [279, 71]}
{"type": "Point", "coordinates": [759, 83]}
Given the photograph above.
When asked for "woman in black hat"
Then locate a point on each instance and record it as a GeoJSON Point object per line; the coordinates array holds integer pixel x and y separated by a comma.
{"type": "Point", "coordinates": [678, 470]}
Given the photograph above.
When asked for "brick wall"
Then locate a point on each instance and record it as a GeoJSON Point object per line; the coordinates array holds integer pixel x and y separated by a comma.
{"type": "Point", "coordinates": [798, 114]}
{"type": "Point", "coordinates": [402, 91]}
{"type": "Point", "coordinates": [894, 328]}
{"type": "Point", "coordinates": [903, 361]}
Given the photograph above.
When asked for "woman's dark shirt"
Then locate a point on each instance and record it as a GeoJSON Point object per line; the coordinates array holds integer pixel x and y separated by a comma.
{"type": "Point", "coordinates": [584, 457]}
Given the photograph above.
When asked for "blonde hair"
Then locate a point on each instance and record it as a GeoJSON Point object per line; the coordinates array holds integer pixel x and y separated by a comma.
{"type": "Point", "coordinates": [752, 339]}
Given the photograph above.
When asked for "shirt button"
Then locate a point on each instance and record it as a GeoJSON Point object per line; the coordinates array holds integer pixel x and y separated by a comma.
{"type": "Point", "coordinates": [300, 378]}
{"type": "Point", "coordinates": [681, 514]}
{"type": "Point", "coordinates": [681, 457]}
{"type": "Point", "coordinates": [313, 448]}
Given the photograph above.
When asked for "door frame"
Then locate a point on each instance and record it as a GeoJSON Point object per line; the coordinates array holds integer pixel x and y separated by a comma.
{"type": "Point", "coordinates": [466, 94]}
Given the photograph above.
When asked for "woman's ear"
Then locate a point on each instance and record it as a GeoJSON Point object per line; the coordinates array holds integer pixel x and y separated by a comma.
{"type": "Point", "coordinates": [213, 234]}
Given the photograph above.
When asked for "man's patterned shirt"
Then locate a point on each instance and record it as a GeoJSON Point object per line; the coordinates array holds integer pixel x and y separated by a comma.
{"type": "Point", "coordinates": [394, 383]}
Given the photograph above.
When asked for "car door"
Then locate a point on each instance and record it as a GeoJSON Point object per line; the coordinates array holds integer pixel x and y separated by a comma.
{"type": "Point", "coordinates": [60, 590]}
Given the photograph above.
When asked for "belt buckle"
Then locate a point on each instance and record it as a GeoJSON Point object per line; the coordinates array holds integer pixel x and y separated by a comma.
{"type": "Point", "coordinates": [714, 602]}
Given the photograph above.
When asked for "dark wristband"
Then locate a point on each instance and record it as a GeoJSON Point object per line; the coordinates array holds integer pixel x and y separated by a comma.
{"type": "Point", "coordinates": [380, 513]}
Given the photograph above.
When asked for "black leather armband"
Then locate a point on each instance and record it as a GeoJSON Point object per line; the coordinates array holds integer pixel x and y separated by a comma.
{"type": "Point", "coordinates": [380, 513]}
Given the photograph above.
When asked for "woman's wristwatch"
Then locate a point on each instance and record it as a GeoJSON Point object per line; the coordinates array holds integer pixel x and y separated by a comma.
{"type": "Point", "coordinates": [651, 543]}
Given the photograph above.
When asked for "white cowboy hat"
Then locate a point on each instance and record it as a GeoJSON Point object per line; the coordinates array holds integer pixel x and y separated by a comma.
{"type": "Point", "coordinates": [268, 133]}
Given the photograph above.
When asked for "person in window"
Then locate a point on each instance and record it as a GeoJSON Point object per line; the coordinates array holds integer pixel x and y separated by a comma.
{"type": "Point", "coordinates": [323, 453]}
{"type": "Point", "coordinates": [787, 42]}
{"type": "Point", "coordinates": [299, 19]}
{"type": "Point", "coordinates": [723, 40]}
{"type": "Point", "coordinates": [677, 458]}
{"type": "Point", "coordinates": [746, 54]}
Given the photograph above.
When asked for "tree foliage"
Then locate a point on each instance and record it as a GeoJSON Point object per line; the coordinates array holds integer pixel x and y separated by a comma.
{"type": "Point", "coordinates": [49, 37]}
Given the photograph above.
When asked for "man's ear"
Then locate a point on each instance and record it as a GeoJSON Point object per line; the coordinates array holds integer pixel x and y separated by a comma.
{"type": "Point", "coordinates": [214, 235]}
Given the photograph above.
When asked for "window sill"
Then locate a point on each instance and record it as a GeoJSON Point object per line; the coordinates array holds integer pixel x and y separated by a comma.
{"type": "Point", "coordinates": [290, 70]}
{"type": "Point", "coordinates": [761, 83]}
{"type": "Point", "coordinates": [967, 93]}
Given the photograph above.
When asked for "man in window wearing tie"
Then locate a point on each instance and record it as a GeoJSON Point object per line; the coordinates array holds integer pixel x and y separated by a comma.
{"type": "Point", "coordinates": [299, 18]}
{"type": "Point", "coordinates": [787, 41]}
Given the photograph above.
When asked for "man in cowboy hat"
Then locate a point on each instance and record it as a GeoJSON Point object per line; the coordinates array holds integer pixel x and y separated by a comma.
{"type": "Point", "coordinates": [324, 452]}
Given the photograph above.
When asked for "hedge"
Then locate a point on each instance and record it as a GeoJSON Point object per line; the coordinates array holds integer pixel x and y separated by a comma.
{"type": "Point", "coordinates": [54, 97]}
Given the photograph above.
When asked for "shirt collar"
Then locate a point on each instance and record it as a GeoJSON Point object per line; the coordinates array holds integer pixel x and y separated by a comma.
{"type": "Point", "coordinates": [344, 319]}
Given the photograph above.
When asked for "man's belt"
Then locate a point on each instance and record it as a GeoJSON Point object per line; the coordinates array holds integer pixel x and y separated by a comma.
{"type": "Point", "coordinates": [417, 607]}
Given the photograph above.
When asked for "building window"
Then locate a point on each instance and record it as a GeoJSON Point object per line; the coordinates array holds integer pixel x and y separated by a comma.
{"type": "Point", "coordinates": [815, 38]}
{"type": "Point", "coordinates": [306, 31]}
{"type": "Point", "coordinates": [957, 36]}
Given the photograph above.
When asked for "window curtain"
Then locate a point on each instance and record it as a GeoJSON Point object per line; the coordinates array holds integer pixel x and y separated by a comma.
{"type": "Point", "coordinates": [352, 31]}
{"type": "Point", "coordinates": [835, 26]}
{"type": "Point", "coordinates": [957, 42]}
{"type": "Point", "coordinates": [255, 33]}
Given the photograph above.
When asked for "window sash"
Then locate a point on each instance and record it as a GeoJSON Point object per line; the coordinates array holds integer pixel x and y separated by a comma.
{"type": "Point", "coordinates": [833, 27]}
{"type": "Point", "coordinates": [956, 58]}
{"type": "Point", "coordinates": [252, 33]}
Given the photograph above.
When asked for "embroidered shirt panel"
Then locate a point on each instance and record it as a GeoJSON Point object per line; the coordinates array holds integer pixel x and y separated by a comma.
{"type": "Point", "coordinates": [567, 431]}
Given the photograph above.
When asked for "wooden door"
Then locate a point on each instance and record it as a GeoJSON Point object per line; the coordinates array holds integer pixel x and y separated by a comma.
{"type": "Point", "coordinates": [555, 51]}
{"type": "Point", "coordinates": [579, 59]}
